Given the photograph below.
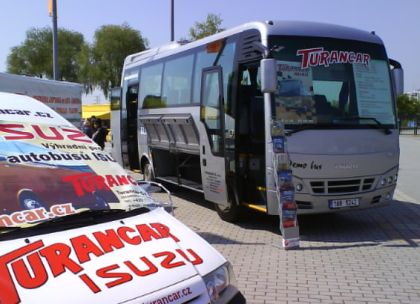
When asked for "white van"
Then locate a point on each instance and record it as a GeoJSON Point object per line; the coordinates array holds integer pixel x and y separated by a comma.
{"type": "Point", "coordinates": [77, 228]}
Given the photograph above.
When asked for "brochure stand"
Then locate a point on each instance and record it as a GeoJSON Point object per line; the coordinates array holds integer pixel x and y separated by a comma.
{"type": "Point", "coordinates": [285, 190]}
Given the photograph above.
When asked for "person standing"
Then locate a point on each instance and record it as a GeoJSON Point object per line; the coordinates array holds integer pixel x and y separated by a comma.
{"type": "Point", "coordinates": [87, 128]}
{"type": "Point", "coordinates": [99, 135]}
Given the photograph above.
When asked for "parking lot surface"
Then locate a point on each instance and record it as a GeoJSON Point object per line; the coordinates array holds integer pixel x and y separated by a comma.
{"type": "Point", "coordinates": [361, 256]}
{"type": "Point", "coordinates": [368, 256]}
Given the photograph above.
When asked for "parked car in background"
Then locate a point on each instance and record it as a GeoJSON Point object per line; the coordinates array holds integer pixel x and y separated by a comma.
{"type": "Point", "coordinates": [77, 228]}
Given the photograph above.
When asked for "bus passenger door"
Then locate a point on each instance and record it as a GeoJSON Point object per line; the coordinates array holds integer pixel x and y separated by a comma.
{"type": "Point", "coordinates": [212, 150]}
{"type": "Point", "coordinates": [130, 152]}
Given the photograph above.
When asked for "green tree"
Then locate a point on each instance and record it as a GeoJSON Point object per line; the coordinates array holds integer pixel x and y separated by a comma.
{"type": "Point", "coordinates": [209, 27]}
{"type": "Point", "coordinates": [407, 106]}
{"type": "Point", "coordinates": [34, 55]}
{"type": "Point", "coordinates": [112, 43]}
{"type": "Point", "coordinates": [408, 109]}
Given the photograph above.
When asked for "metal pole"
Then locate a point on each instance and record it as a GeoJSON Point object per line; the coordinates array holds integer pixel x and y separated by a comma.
{"type": "Point", "coordinates": [172, 21]}
{"type": "Point", "coordinates": [56, 69]}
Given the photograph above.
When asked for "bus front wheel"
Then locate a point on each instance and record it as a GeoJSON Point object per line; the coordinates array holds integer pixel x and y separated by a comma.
{"type": "Point", "coordinates": [148, 172]}
{"type": "Point", "coordinates": [230, 212]}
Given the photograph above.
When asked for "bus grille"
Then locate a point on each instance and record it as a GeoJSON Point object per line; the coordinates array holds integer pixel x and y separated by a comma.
{"type": "Point", "coordinates": [342, 186]}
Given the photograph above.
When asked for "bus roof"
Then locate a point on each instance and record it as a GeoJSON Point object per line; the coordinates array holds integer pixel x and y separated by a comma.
{"type": "Point", "coordinates": [267, 28]}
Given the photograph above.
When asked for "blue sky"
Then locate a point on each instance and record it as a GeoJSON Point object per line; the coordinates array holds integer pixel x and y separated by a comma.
{"type": "Point", "coordinates": [396, 22]}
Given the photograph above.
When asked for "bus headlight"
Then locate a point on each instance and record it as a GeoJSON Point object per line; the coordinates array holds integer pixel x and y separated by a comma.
{"type": "Point", "coordinates": [217, 281]}
{"type": "Point", "coordinates": [299, 187]}
{"type": "Point", "coordinates": [383, 181]}
{"type": "Point", "coordinates": [390, 179]}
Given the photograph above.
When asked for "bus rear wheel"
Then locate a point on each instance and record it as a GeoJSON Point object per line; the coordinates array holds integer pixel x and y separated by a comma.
{"type": "Point", "coordinates": [148, 174]}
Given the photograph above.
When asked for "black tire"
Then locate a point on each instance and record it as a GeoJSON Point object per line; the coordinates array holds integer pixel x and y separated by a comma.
{"type": "Point", "coordinates": [29, 200]}
{"type": "Point", "coordinates": [148, 174]}
{"type": "Point", "coordinates": [232, 212]}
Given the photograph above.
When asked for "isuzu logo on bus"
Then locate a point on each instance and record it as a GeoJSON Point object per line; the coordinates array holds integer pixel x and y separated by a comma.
{"type": "Point", "coordinates": [318, 57]}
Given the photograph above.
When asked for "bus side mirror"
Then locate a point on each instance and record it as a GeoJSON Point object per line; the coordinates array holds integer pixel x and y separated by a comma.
{"type": "Point", "coordinates": [116, 98]}
{"type": "Point", "coordinates": [268, 75]}
{"type": "Point", "coordinates": [397, 76]}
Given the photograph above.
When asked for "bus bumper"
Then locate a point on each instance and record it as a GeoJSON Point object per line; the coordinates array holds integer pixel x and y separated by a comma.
{"type": "Point", "coordinates": [313, 204]}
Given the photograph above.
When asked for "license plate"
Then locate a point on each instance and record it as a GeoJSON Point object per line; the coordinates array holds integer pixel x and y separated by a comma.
{"type": "Point", "coordinates": [341, 203]}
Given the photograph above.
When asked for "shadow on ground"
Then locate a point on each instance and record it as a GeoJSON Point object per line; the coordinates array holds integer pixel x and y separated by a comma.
{"type": "Point", "coordinates": [370, 227]}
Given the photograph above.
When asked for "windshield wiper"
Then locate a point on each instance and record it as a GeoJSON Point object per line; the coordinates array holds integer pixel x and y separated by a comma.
{"type": "Point", "coordinates": [289, 132]}
{"type": "Point", "coordinates": [80, 219]}
{"type": "Point", "coordinates": [387, 131]}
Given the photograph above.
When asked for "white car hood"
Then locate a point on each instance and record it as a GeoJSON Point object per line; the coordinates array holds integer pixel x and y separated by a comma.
{"type": "Point", "coordinates": [118, 261]}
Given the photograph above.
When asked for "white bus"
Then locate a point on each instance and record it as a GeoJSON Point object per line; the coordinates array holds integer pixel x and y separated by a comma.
{"type": "Point", "coordinates": [199, 115]}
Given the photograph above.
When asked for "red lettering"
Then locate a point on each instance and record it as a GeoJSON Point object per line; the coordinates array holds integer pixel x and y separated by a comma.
{"type": "Point", "coordinates": [56, 135]}
{"type": "Point", "coordinates": [147, 233]}
{"type": "Point", "coordinates": [306, 54]}
{"type": "Point", "coordinates": [314, 59]}
{"type": "Point", "coordinates": [324, 58]}
{"type": "Point", "coordinates": [58, 258]}
{"type": "Point", "coordinates": [122, 277]}
{"type": "Point", "coordinates": [111, 181]}
{"type": "Point", "coordinates": [75, 180]}
{"type": "Point", "coordinates": [167, 261]}
{"type": "Point", "coordinates": [24, 277]}
{"type": "Point", "coordinates": [8, 289]}
{"type": "Point", "coordinates": [334, 57]}
{"type": "Point", "coordinates": [366, 59]}
{"type": "Point", "coordinates": [142, 273]}
{"type": "Point", "coordinates": [132, 180]}
{"type": "Point", "coordinates": [359, 58]}
{"type": "Point", "coordinates": [17, 217]}
{"type": "Point", "coordinates": [122, 180]}
{"type": "Point", "coordinates": [196, 259]}
{"type": "Point", "coordinates": [84, 247]}
{"type": "Point", "coordinates": [5, 221]}
{"type": "Point", "coordinates": [77, 135]}
{"type": "Point", "coordinates": [163, 230]}
{"type": "Point", "coordinates": [108, 240]}
{"type": "Point", "coordinates": [123, 234]}
{"type": "Point", "coordinates": [41, 213]}
{"type": "Point", "coordinates": [18, 135]}
{"type": "Point", "coordinates": [343, 57]}
{"type": "Point", "coordinates": [88, 281]}
{"type": "Point", "coordinates": [352, 57]}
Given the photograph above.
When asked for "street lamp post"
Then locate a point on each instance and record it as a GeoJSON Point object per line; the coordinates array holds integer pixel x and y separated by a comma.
{"type": "Point", "coordinates": [53, 14]}
{"type": "Point", "coordinates": [172, 21]}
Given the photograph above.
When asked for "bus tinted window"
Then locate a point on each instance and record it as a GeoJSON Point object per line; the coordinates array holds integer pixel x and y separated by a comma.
{"type": "Point", "coordinates": [177, 81]}
{"type": "Point", "coordinates": [150, 86]}
{"type": "Point", "coordinates": [226, 60]}
{"type": "Point", "coordinates": [209, 57]}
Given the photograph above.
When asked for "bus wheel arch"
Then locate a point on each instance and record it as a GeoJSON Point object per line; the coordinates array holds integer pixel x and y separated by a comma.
{"type": "Point", "coordinates": [147, 170]}
{"type": "Point", "coordinates": [232, 211]}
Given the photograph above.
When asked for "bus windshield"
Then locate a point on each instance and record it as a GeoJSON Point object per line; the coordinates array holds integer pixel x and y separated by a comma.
{"type": "Point", "coordinates": [332, 83]}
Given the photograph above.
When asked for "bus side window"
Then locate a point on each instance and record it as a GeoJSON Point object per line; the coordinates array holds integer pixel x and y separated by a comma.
{"type": "Point", "coordinates": [150, 86]}
{"type": "Point", "coordinates": [177, 80]}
